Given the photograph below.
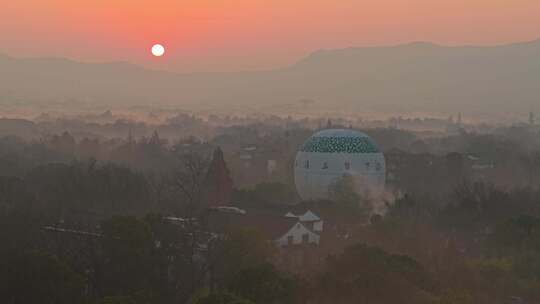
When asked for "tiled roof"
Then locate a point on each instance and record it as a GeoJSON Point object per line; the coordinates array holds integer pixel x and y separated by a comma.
{"type": "Point", "coordinates": [272, 227]}
{"type": "Point", "coordinates": [339, 145]}
{"type": "Point", "coordinates": [304, 216]}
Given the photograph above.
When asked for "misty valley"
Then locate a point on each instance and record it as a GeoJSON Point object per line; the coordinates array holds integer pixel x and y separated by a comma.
{"type": "Point", "coordinates": [176, 207]}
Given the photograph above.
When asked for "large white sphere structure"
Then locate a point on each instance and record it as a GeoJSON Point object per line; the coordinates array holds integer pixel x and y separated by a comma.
{"type": "Point", "coordinates": [330, 154]}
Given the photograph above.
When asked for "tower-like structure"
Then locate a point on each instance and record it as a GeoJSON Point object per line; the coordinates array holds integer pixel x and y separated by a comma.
{"type": "Point", "coordinates": [218, 182]}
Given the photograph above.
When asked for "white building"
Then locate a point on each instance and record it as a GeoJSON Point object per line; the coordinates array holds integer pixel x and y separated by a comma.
{"type": "Point", "coordinates": [330, 154]}
{"type": "Point", "coordinates": [298, 234]}
{"type": "Point", "coordinates": [309, 219]}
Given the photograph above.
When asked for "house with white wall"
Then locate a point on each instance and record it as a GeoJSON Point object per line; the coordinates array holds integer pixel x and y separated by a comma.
{"type": "Point", "coordinates": [309, 219]}
{"type": "Point", "coordinates": [298, 234]}
{"type": "Point", "coordinates": [292, 229]}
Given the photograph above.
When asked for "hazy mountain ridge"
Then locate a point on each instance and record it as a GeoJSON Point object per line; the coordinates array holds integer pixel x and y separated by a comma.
{"type": "Point", "coordinates": [409, 77]}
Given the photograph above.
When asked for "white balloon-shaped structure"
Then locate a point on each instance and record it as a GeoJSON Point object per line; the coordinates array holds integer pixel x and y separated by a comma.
{"type": "Point", "coordinates": [331, 154]}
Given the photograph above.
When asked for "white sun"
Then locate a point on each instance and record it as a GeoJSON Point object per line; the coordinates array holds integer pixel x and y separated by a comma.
{"type": "Point", "coordinates": [158, 50]}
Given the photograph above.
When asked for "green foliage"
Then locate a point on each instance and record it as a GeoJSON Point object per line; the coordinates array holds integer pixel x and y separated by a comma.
{"type": "Point", "coordinates": [241, 249]}
{"type": "Point", "coordinates": [516, 245]}
{"type": "Point", "coordinates": [126, 232]}
{"type": "Point", "coordinates": [412, 209]}
{"type": "Point", "coordinates": [515, 235]}
{"type": "Point", "coordinates": [494, 267]}
{"type": "Point", "coordinates": [269, 194]}
{"type": "Point", "coordinates": [527, 265]}
{"type": "Point", "coordinates": [491, 148]}
{"type": "Point", "coordinates": [456, 297]}
{"type": "Point", "coordinates": [140, 297]}
{"type": "Point", "coordinates": [366, 274]}
{"type": "Point", "coordinates": [127, 244]}
{"type": "Point", "coordinates": [117, 300]}
{"type": "Point", "coordinates": [221, 297]}
{"type": "Point", "coordinates": [75, 189]}
{"type": "Point", "coordinates": [39, 278]}
{"type": "Point", "coordinates": [344, 192]}
{"type": "Point", "coordinates": [198, 295]}
{"type": "Point", "coordinates": [475, 206]}
{"type": "Point", "coordinates": [263, 284]}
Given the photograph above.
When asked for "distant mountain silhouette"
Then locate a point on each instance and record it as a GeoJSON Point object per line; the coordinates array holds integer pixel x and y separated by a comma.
{"type": "Point", "coordinates": [410, 77]}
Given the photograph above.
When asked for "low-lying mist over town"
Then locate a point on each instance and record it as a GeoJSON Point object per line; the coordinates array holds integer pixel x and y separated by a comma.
{"type": "Point", "coordinates": [282, 152]}
{"type": "Point", "coordinates": [171, 206]}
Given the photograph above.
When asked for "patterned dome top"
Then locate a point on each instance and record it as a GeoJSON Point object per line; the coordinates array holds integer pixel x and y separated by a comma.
{"type": "Point", "coordinates": [339, 141]}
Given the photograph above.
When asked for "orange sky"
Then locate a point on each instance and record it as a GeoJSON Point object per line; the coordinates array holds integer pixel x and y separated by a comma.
{"type": "Point", "coordinates": [250, 34]}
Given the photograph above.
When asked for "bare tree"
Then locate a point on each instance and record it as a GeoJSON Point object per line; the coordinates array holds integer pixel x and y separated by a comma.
{"type": "Point", "coordinates": [158, 185]}
{"type": "Point", "coordinates": [187, 180]}
{"type": "Point", "coordinates": [186, 183]}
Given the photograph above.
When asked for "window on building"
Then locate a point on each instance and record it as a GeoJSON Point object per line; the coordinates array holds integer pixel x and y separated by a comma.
{"type": "Point", "coordinates": [290, 240]}
{"type": "Point", "coordinates": [325, 165]}
{"type": "Point", "coordinates": [305, 238]}
{"type": "Point", "coordinates": [347, 165]}
{"type": "Point", "coordinates": [307, 164]}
